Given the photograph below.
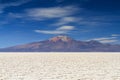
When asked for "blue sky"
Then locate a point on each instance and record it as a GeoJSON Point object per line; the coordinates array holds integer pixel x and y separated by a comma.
{"type": "Point", "coordinates": [24, 21]}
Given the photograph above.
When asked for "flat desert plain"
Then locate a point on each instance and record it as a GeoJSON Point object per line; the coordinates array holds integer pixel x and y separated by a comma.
{"type": "Point", "coordinates": [59, 66]}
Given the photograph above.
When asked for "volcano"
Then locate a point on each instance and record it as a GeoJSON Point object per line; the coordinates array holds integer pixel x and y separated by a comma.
{"type": "Point", "coordinates": [63, 43]}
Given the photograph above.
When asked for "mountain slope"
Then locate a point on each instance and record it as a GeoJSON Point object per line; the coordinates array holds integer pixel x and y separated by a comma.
{"type": "Point", "coordinates": [63, 44]}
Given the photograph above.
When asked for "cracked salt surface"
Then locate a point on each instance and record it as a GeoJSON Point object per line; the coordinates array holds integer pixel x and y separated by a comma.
{"type": "Point", "coordinates": [59, 66]}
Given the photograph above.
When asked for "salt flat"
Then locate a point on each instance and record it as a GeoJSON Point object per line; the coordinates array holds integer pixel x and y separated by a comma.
{"type": "Point", "coordinates": [59, 66]}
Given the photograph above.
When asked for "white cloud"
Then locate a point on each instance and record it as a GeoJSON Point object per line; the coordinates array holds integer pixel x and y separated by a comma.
{"type": "Point", "coordinates": [106, 39]}
{"type": "Point", "coordinates": [51, 12]}
{"type": "Point", "coordinates": [12, 15]}
{"type": "Point", "coordinates": [115, 35]}
{"type": "Point", "coordinates": [51, 32]}
{"type": "Point", "coordinates": [66, 28]}
{"type": "Point", "coordinates": [15, 3]}
{"type": "Point", "coordinates": [112, 39]}
{"type": "Point", "coordinates": [66, 20]}
{"type": "Point", "coordinates": [62, 15]}
{"type": "Point", "coordinates": [60, 30]}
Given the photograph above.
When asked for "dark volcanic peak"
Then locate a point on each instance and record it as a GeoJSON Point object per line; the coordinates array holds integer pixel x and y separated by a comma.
{"type": "Point", "coordinates": [63, 38]}
{"type": "Point", "coordinates": [63, 43]}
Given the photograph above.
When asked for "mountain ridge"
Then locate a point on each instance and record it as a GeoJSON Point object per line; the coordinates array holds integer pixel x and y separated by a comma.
{"type": "Point", "coordinates": [64, 43]}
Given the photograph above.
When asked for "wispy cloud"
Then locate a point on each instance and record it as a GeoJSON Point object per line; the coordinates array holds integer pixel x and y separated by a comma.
{"type": "Point", "coordinates": [15, 3]}
{"type": "Point", "coordinates": [51, 32]}
{"type": "Point", "coordinates": [66, 28]}
{"type": "Point", "coordinates": [81, 20]}
{"type": "Point", "coordinates": [51, 12]}
{"type": "Point", "coordinates": [106, 39]}
{"type": "Point", "coordinates": [115, 35]}
{"type": "Point", "coordinates": [60, 30]}
{"type": "Point", "coordinates": [66, 20]}
{"type": "Point", "coordinates": [65, 15]}
{"type": "Point", "coordinates": [12, 15]}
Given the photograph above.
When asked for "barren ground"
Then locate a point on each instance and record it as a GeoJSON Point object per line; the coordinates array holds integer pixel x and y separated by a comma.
{"type": "Point", "coordinates": [59, 66]}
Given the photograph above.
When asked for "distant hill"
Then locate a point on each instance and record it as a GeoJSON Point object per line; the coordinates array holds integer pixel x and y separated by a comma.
{"type": "Point", "coordinates": [63, 44]}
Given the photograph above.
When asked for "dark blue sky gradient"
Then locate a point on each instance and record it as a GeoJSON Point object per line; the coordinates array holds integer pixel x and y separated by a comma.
{"type": "Point", "coordinates": [25, 21]}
